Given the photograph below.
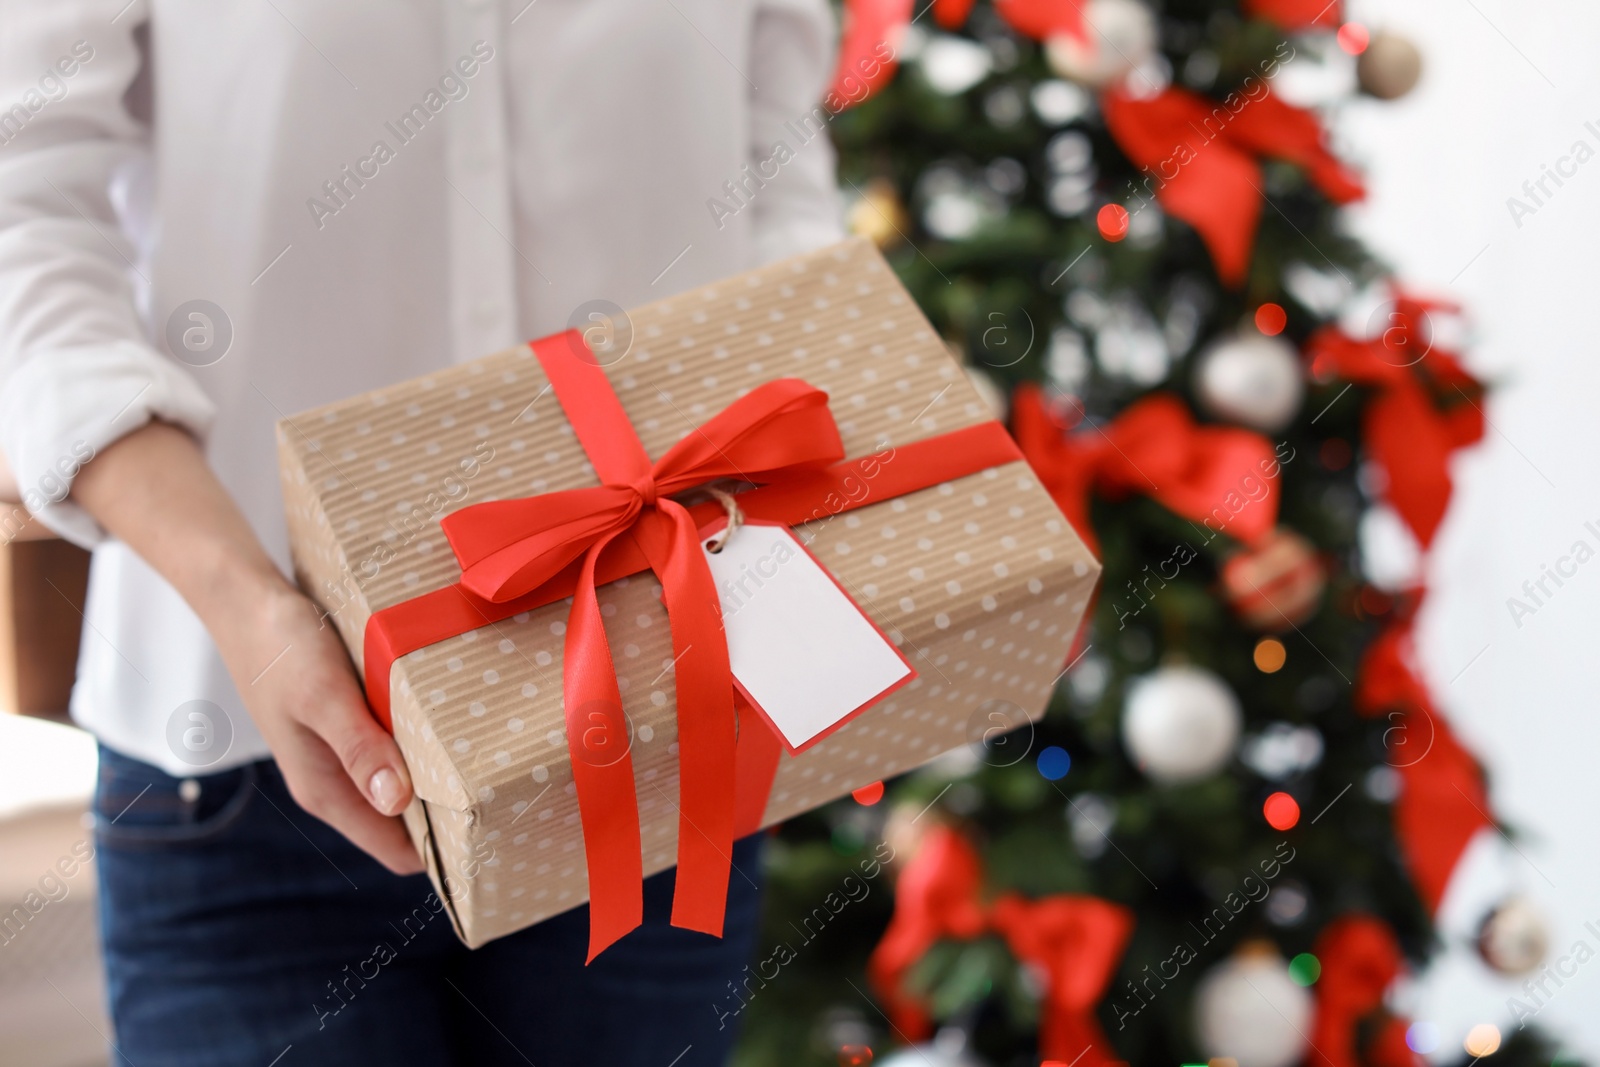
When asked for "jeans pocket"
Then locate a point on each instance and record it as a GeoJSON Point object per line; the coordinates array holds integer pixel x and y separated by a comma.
{"type": "Point", "coordinates": [139, 806]}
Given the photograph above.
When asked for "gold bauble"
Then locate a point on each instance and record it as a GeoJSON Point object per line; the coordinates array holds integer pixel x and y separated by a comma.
{"type": "Point", "coordinates": [878, 215]}
{"type": "Point", "coordinates": [1390, 67]}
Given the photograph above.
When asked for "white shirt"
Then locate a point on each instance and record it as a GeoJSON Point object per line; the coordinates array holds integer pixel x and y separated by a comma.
{"type": "Point", "coordinates": [367, 191]}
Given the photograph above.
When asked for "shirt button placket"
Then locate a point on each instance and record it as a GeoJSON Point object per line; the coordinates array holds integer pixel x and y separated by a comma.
{"type": "Point", "coordinates": [483, 263]}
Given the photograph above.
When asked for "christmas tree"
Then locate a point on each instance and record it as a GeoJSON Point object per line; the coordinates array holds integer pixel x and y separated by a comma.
{"type": "Point", "coordinates": [1227, 837]}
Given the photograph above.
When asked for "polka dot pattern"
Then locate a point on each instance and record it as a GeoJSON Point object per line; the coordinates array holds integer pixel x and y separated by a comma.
{"type": "Point", "coordinates": [978, 580]}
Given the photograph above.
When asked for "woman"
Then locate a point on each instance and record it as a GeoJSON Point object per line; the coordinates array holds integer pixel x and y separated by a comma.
{"type": "Point", "coordinates": [214, 215]}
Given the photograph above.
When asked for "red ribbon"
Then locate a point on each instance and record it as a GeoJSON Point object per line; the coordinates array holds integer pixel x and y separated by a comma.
{"type": "Point", "coordinates": [866, 56]}
{"type": "Point", "coordinates": [1360, 958]}
{"type": "Point", "coordinates": [1073, 941]}
{"type": "Point", "coordinates": [1043, 19]}
{"type": "Point", "coordinates": [508, 548]}
{"type": "Point", "coordinates": [523, 554]}
{"type": "Point", "coordinates": [1154, 447]}
{"type": "Point", "coordinates": [1203, 156]}
{"type": "Point", "coordinates": [951, 14]}
{"type": "Point", "coordinates": [1443, 800]}
{"type": "Point", "coordinates": [1410, 435]}
{"type": "Point", "coordinates": [1296, 14]}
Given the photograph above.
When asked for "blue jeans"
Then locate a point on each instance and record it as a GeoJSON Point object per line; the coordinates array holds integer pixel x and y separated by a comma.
{"type": "Point", "coordinates": [240, 930]}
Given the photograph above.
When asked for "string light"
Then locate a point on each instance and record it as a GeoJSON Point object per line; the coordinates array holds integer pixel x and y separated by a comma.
{"type": "Point", "coordinates": [1270, 655]}
{"type": "Point", "coordinates": [1354, 37]}
{"type": "Point", "coordinates": [1113, 222]}
{"type": "Point", "coordinates": [1482, 1040]}
{"type": "Point", "coordinates": [1271, 319]}
{"type": "Point", "coordinates": [1282, 811]}
{"type": "Point", "coordinates": [1054, 762]}
{"type": "Point", "coordinates": [1422, 1037]}
{"type": "Point", "coordinates": [1305, 969]}
{"type": "Point", "coordinates": [868, 794]}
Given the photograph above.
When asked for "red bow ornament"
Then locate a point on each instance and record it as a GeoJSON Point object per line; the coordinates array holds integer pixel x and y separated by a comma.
{"type": "Point", "coordinates": [1296, 14]}
{"type": "Point", "coordinates": [1360, 959]}
{"type": "Point", "coordinates": [1203, 158]}
{"type": "Point", "coordinates": [1072, 941]}
{"type": "Point", "coordinates": [1411, 436]}
{"type": "Point", "coordinates": [867, 58]}
{"type": "Point", "coordinates": [1443, 800]}
{"type": "Point", "coordinates": [1043, 19]}
{"type": "Point", "coordinates": [1154, 447]}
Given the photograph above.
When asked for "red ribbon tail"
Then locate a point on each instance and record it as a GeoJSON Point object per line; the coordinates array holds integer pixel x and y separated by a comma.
{"type": "Point", "coordinates": [598, 738]}
{"type": "Point", "coordinates": [756, 765]}
{"type": "Point", "coordinates": [1443, 805]}
{"type": "Point", "coordinates": [706, 725]}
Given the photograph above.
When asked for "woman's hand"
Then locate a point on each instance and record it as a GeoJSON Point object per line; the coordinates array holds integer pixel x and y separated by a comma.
{"type": "Point", "coordinates": [299, 687]}
{"type": "Point", "coordinates": [154, 491]}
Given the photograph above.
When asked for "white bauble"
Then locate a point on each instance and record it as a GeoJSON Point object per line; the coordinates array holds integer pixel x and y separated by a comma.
{"type": "Point", "coordinates": [952, 64]}
{"type": "Point", "coordinates": [1121, 37]}
{"type": "Point", "coordinates": [1251, 379]}
{"type": "Point", "coordinates": [1180, 724]}
{"type": "Point", "coordinates": [1248, 1009]}
{"type": "Point", "coordinates": [947, 1049]}
{"type": "Point", "coordinates": [1513, 938]}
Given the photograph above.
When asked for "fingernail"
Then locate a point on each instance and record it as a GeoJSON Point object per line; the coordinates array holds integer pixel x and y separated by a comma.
{"type": "Point", "coordinates": [385, 790]}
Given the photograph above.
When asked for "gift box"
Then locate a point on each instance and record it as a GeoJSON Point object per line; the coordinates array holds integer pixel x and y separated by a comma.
{"type": "Point", "coordinates": [412, 526]}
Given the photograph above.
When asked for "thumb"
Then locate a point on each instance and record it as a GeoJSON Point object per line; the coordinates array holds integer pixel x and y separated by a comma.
{"type": "Point", "coordinates": [369, 755]}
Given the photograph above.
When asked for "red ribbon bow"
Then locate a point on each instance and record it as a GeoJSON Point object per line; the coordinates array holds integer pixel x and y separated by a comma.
{"type": "Point", "coordinates": [1360, 958]}
{"type": "Point", "coordinates": [1202, 154]}
{"type": "Point", "coordinates": [1073, 941]}
{"type": "Point", "coordinates": [508, 548]}
{"type": "Point", "coordinates": [866, 55]}
{"type": "Point", "coordinates": [1296, 14]}
{"type": "Point", "coordinates": [1043, 19]}
{"type": "Point", "coordinates": [1154, 447]}
{"type": "Point", "coordinates": [1410, 436]}
{"type": "Point", "coordinates": [1443, 800]}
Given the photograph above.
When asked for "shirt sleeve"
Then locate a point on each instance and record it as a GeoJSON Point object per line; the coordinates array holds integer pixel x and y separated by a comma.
{"type": "Point", "coordinates": [77, 369]}
{"type": "Point", "coordinates": [792, 56]}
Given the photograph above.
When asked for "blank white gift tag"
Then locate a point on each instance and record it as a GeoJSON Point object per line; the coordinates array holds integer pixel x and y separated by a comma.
{"type": "Point", "coordinates": [802, 651]}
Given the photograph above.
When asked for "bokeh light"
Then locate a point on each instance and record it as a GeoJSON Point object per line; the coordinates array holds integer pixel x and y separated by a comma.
{"type": "Point", "coordinates": [1305, 969]}
{"type": "Point", "coordinates": [1271, 319]}
{"type": "Point", "coordinates": [1113, 222]}
{"type": "Point", "coordinates": [1281, 811]}
{"type": "Point", "coordinates": [1054, 763]}
{"type": "Point", "coordinates": [1482, 1040]}
{"type": "Point", "coordinates": [868, 794]}
{"type": "Point", "coordinates": [1270, 655]}
{"type": "Point", "coordinates": [1422, 1037]}
{"type": "Point", "coordinates": [1354, 37]}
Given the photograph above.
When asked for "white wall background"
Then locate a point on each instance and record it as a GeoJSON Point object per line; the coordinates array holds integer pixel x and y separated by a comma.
{"type": "Point", "coordinates": [1508, 87]}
